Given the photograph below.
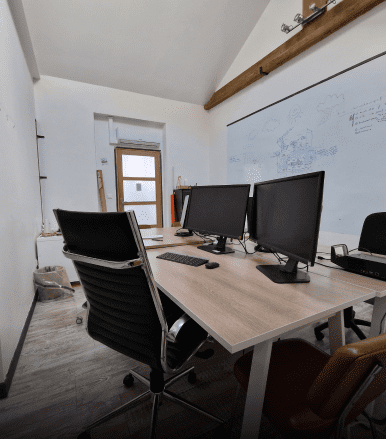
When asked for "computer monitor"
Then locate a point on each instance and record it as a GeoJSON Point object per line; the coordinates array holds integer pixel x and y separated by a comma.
{"type": "Point", "coordinates": [219, 211]}
{"type": "Point", "coordinates": [286, 220]}
{"type": "Point", "coordinates": [183, 231]}
{"type": "Point", "coordinates": [179, 199]}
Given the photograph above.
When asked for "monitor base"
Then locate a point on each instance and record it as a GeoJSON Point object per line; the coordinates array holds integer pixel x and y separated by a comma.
{"type": "Point", "coordinates": [275, 274]}
{"type": "Point", "coordinates": [260, 248]}
{"type": "Point", "coordinates": [211, 248]}
{"type": "Point", "coordinates": [186, 233]}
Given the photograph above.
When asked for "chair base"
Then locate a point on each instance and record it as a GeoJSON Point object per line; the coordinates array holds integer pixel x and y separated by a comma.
{"type": "Point", "coordinates": [158, 390]}
{"type": "Point", "coordinates": [350, 322]}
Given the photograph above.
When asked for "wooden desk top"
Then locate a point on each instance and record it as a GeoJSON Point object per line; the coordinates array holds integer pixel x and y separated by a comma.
{"type": "Point", "coordinates": [169, 240]}
{"type": "Point", "coordinates": [331, 270]}
{"type": "Point", "coordinates": [239, 306]}
{"type": "Point", "coordinates": [335, 273]}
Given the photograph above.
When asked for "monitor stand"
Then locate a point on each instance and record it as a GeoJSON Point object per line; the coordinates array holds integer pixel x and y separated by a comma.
{"type": "Point", "coordinates": [184, 232]}
{"type": "Point", "coordinates": [260, 248]}
{"type": "Point", "coordinates": [284, 274]}
{"type": "Point", "coordinates": [217, 249]}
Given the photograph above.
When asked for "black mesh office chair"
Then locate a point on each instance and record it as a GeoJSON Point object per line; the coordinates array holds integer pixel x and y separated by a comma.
{"type": "Point", "coordinates": [125, 310]}
{"type": "Point", "coordinates": [372, 240]}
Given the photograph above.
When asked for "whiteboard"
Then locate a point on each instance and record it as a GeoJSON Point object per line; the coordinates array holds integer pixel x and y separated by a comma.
{"type": "Point", "coordinates": [338, 126]}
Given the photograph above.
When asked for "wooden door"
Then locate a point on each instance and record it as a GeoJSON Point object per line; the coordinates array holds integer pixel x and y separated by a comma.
{"type": "Point", "coordinates": [139, 184]}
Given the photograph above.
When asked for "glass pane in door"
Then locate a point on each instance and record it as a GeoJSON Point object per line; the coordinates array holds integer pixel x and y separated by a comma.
{"type": "Point", "coordinates": [145, 213]}
{"type": "Point", "coordinates": [138, 166]}
{"type": "Point", "coordinates": [138, 190]}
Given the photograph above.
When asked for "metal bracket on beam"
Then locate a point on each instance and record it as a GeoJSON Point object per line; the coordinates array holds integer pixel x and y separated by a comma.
{"type": "Point", "coordinates": [302, 21]}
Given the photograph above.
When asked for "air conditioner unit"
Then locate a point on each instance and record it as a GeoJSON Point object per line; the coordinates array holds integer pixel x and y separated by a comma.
{"type": "Point", "coordinates": [122, 139]}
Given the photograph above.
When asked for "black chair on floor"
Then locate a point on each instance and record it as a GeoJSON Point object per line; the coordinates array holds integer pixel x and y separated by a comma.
{"type": "Point", "coordinates": [125, 310]}
{"type": "Point", "coordinates": [372, 240]}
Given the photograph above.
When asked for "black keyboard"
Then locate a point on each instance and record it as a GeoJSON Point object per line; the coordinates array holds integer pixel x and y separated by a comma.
{"type": "Point", "coordinates": [183, 259]}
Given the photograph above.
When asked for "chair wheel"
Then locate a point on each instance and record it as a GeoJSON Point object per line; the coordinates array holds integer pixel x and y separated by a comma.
{"type": "Point", "coordinates": [84, 435]}
{"type": "Point", "coordinates": [128, 381]}
{"type": "Point", "coordinates": [319, 336]}
{"type": "Point", "coordinates": [192, 377]}
{"type": "Point", "coordinates": [79, 320]}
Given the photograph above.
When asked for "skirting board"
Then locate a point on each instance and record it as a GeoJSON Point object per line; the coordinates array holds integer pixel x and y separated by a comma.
{"type": "Point", "coordinates": [6, 385]}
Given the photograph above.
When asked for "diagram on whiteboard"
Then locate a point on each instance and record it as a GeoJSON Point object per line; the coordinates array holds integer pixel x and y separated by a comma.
{"type": "Point", "coordinates": [337, 126]}
{"type": "Point", "coordinates": [326, 107]}
{"type": "Point", "coordinates": [294, 114]}
{"type": "Point", "coordinates": [271, 125]}
{"type": "Point", "coordinates": [297, 154]}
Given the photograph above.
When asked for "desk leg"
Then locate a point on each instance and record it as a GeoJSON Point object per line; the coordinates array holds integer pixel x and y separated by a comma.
{"type": "Point", "coordinates": [256, 390]}
{"type": "Point", "coordinates": [337, 332]}
{"type": "Point", "coordinates": [377, 407]}
{"type": "Point", "coordinates": [378, 312]}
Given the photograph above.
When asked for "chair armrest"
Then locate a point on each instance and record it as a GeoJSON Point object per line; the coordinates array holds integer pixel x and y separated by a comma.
{"type": "Point", "coordinates": [177, 326]}
{"type": "Point", "coordinates": [101, 262]}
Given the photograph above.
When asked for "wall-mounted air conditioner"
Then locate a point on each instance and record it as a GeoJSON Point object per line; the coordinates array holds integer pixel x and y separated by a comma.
{"type": "Point", "coordinates": [137, 137]}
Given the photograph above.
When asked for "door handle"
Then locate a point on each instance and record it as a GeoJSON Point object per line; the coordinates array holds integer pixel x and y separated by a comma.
{"type": "Point", "coordinates": [122, 204]}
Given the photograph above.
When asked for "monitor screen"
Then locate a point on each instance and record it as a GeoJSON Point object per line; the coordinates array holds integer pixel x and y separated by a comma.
{"type": "Point", "coordinates": [287, 215]}
{"type": "Point", "coordinates": [218, 210]}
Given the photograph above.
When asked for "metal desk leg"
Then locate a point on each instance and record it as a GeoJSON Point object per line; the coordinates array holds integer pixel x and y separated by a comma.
{"type": "Point", "coordinates": [337, 332]}
{"type": "Point", "coordinates": [378, 312]}
{"type": "Point", "coordinates": [256, 390]}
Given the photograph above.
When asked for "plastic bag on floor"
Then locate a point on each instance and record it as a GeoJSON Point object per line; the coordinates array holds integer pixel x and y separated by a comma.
{"type": "Point", "coordinates": [52, 283]}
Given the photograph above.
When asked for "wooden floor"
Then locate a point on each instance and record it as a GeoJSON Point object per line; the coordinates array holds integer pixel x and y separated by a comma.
{"type": "Point", "coordinates": [65, 380]}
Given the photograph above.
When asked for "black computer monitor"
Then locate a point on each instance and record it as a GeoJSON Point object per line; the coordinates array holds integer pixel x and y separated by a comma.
{"type": "Point", "coordinates": [286, 220]}
{"type": "Point", "coordinates": [219, 211]}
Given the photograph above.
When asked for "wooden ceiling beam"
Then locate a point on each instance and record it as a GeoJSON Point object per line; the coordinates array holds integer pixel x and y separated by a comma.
{"type": "Point", "coordinates": [337, 17]}
{"type": "Point", "coordinates": [306, 6]}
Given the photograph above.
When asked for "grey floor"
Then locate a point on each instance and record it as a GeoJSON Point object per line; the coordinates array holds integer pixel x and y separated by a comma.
{"type": "Point", "coordinates": [65, 380]}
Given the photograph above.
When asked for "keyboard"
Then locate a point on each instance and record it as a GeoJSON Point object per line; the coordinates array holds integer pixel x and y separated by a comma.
{"type": "Point", "coordinates": [153, 237]}
{"type": "Point", "coordinates": [183, 259]}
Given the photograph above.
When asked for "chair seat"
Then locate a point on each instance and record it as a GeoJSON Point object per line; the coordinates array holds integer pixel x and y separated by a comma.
{"type": "Point", "coordinates": [190, 336]}
{"type": "Point", "coordinates": [294, 366]}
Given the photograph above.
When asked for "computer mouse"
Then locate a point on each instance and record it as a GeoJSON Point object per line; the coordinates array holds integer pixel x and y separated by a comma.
{"type": "Point", "coordinates": [212, 265]}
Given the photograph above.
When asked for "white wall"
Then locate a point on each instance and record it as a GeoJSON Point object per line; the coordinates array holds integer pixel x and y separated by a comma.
{"type": "Point", "coordinates": [361, 39]}
{"type": "Point", "coordinates": [65, 112]}
{"type": "Point", "coordinates": [19, 189]}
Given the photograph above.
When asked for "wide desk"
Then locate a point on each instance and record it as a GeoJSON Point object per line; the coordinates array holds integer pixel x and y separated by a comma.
{"type": "Point", "coordinates": [241, 308]}
{"type": "Point", "coordinates": [168, 240]}
{"type": "Point", "coordinates": [333, 271]}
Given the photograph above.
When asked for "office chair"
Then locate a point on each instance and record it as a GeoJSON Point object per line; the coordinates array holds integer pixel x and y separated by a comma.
{"type": "Point", "coordinates": [311, 394]}
{"type": "Point", "coordinates": [125, 310]}
{"type": "Point", "coordinates": [372, 240]}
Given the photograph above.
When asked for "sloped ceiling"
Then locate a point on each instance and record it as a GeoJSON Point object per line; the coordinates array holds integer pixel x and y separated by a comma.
{"type": "Point", "coordinates": [174, 49]}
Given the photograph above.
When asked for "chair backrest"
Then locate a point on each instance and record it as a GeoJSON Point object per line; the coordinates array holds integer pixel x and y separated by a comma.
{"type": "Point", "coordinates": [124, 306]}
{"type": "Point", "coordinates": [373, 236]}
{"type": "Point", "coordinates": [344, 374]}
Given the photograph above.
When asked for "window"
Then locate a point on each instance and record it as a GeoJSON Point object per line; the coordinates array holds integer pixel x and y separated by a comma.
{"type": "Point", "coordinates": [139, 184]}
